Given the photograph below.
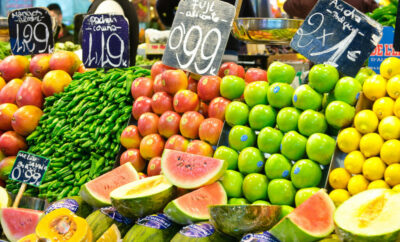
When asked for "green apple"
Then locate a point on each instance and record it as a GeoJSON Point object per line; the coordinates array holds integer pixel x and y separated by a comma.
{"type": "Point", "coordinates": [287, 119]}
{"type": "Point", "coordinates": [306, 173]}
{"type": "Point", "coordinates": [255, 187]}
{"type": "Point", "coordinates": [281, 192]}
{"type": "Point", "coordinates": [363, 74]}
{"type": "Point", "coordinates": [293, 145]}
{"type": "Point", "coordinates": [238, 201]}
{"type": "Point", "coordinates": [280, 72]}
{"type": "Point", "coordinates": [228, 155]}
{"type": "Point", "coordinates": [285, 210]}
{"type": "Point", "coordinates": [256, 93]}
{"type": "Point", "coordinates": [280, 95]}
{"type": "Point", "coordinates": [323, 77]}
{"type": "Point", "coordinates": [277, 166]}
{"type": "Point", "coordinates": [339, 114]}
{"type": "Point", "coordinates": [232, 87]}
{"type": "Point", "coordinates": [232, 181]}
{"type": "Point", "coordinates": [251, 160]}
{"type": "Point", "coordinates": [236, 113]}
{"type": "Point", "coordinates": [241, 137]}
{"type": "Point", "coordinates": [304, 194]}
{"type": "Point", "coordinates": [348, 90]}
{"type": "Point", "coordinates": [269, 140]}
{"type": "Point", "coordinates": [262, 116]}
{"type": "Point", "coordinates": [305, 97]}
{"type": "Point", "coordinates": [261, 202]}
{"type": "Point", "coordinates": [320, 148]}
{"type": "Point", "coordinates": [311, 122]}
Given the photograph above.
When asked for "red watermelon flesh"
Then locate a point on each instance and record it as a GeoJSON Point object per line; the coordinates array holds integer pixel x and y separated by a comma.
{"type": "Point", "coordinates": [19, 222]}
{"type": "Point", "coordinates": [191, 171]}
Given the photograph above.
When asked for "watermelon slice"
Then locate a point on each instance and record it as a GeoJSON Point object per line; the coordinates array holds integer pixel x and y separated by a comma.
{"type": "Point", "coordinates": [19, 222]}
{"type": "Point", "coordinates": [311, 221]}
{"type": "Point", "coordinates": [191, 171]}
{"type": "Point", "coordinates": [193, 207]}
{"type": "Point", "coordinates": [97, 191]}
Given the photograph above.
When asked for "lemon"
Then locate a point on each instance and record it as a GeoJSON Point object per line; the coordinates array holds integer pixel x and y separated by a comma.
{"type": "Point", "coordinates": [396, 108]}
{"type": "Point", "coordinates": [390, 151]}
{"type": "Point", "coordinates": [393, 87]}
{"type": "Point", "coordinates": [390, 67]}
{"type": "Point", "coordinates": [338, 196]}
{"type": "Point", "coordinates": [389, 128]}
{"type": "Point", "coordinates": [370, 144]}
{"type": "Point", "coordinates": [353, 162]}
{"type": "Point", "coordinates": [392, 174]}
{"type": "Point", "coordinates": [374, 87]}
{"type": "Point", "coordinates": [373, 168]}
{"type": "Point", "coordinates": [348, 140]}
{"type": "Point", "coordinates": [396, 188]}
{"type": "Point", "coordinates": [357, 183]}
{"type": "Point", "coordinates": [338, 178]}
{"type": "Point", "coordinates": [366, 121]}
{"type": "Point", "coordinates": [378, 184]}
{"type": "Point", "coordinates": [383, 107]}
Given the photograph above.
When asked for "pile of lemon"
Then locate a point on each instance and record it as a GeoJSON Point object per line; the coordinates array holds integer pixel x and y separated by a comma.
{"type": "Point", "coordinates": [372, 144]}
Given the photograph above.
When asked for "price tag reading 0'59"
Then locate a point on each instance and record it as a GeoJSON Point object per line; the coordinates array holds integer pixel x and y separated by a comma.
{"type": "Point", "coordinates": [105, 41]}
{"type": "Point", "coordinates": [30, 31]}
{"type": "Point", "coordinates": [199, 35]}
{"type": "Point", "coordinates": [29, 168]}
{"type": "Point", "coordinates": [338, 34]}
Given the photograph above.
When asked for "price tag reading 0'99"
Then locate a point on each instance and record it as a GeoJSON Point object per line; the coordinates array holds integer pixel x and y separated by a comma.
{"type": "Point", "coordinates": [30, 31]}
{"type": "Point", "coordinates": [29, 168]}
{"type": "Point", "coordinates": [336, 33]}
{"type": "Point", "coordinates": [199, 35]}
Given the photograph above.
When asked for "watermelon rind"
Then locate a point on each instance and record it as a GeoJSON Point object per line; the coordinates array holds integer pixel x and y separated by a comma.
{"type": "Point", "coordinates": [96, 201]}
{"type": "Point", "coordinates": [190, 182]}
{"type": "Point", "coordinates": [100, 222]}
{"type": "Point", "coordinates": [146, 202]}
{"type": "Point", "coordinates": [16, 235]}
{"type": "Point", "coordinates": [287, 230]}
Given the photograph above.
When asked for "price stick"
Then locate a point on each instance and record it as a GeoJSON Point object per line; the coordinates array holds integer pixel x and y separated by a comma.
{"type": "Point", "coordinates": [28, 169]}
{"type": "Point", "coordinates": [396, 40]}
{"type": "Point", "coordinates": [105, 41]}
{"type": "Point", "coordinates": [199, 35]}
{"type": "Point", "coordinates": [338, 34]}
{"type": "Point", "coordinates": [31, 31]}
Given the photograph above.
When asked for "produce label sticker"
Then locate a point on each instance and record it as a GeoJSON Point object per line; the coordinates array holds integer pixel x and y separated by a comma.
{"type": "Point", "coordinates": [29, 168]}
{"type": "Point", "coordinates": [259, 237]}
{"type": "Point", "coordinates": [383, 50]}
{"type": "Point", "coordinates": [105, 41]}
{"type": "Point", "coordinates": [200, 230]}
{"type": "Point", "coordinates": [31, 31]}
{"type": "Point", "coordinates": [199, 35]}
{"type": "Point", "coordinates": [338, 34]}
{"type": "Point", "coordinates": [157, 221]}
{"type": "Point", "coordinates": [68, 203]}
{"type": "Point", "coordinates": [114, 214]}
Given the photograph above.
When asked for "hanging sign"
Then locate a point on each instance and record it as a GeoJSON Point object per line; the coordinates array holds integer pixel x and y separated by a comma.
{"type": "Point", "coordinates": [30, 31]}
{"type": "Point", "coordinates": [105, 41]}
{"type": "Point", "coordinates": [29, 168]}
{"type": "Point", "coordinates": [383, 50]}
{"type": "Point", "coordinates": [199, 35]}
{"type": "Point", "coordinates": [338, 34]}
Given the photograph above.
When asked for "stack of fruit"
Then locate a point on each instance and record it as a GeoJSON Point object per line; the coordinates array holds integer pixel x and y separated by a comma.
{"type": "Point", "coordinates": [372, 144]}
{"type": "Point", "coordinates": [22, 96]}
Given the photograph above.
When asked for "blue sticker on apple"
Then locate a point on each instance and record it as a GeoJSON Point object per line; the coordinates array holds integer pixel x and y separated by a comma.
{"type": "Point", "coordinates": [296, 170]}
{"type": "Point", "coordinates": [276, 89]}
{"type": "Point", "coordinates": [285, 173]}
{"type": "Point", "coordinates": [243, 138]}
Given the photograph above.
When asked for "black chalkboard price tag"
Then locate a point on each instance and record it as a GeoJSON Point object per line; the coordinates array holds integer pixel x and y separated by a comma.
{"type": "Point", "coordinates": [31, 31]}
{"type": "Point", "coordinates": [338, 34]}
{"type": "Point", "coordinates": [199, 35]}
{"type": "Point", "coordinates": [105, 41]}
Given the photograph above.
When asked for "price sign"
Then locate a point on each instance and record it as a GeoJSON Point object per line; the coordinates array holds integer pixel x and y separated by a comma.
{"type": "Point", "coordinates": [383, 50]}
{"type": "Point", "coordinates": [338, 34]}
{"type": "Point", "coordinates": [30, 31]}
{"type": "Point", "coordinates": [29, 168]}
{"type": "Point", "coordinates": [199, 35]}
{"type": "Point", "coordinates": [105, 41]}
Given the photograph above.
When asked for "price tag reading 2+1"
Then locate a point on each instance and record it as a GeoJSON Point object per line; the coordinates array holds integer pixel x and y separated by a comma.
{"type": "Point", "coordinates": [105, 41]}
{"type": "Point", "coordinates": [29, 168]}
{"type": "Point", "coordinates": [199, 35]}
{"type": "Point", "coordinates": [338, 34]}
{"type": "Point", "coordinates": [30, 31]}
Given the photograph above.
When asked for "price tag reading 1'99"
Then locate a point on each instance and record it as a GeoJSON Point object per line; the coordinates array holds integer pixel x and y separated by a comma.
{"type": "Point", "coordinates": [199, 35]}
{"type": "Point", "coordinates": [30, 31]}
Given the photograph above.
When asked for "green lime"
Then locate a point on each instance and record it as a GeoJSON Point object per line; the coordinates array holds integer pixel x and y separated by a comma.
{"type": "Point", "coordinates": [236, 113]}
{"type": "Point", "coordinates": [293, 145]}
{"type": "Point", "coordinates": [348, 90]}
{"type": "Point", "coordinates": [304, 194]}
{"type": "Point", "coordinates": [281, 192]}
{"type": "Point", "coordinates": [238, 201]}
{"type": "Point", "coordinates": [320, 148]}
{"type": "Point", "coordinates": [251, 160]}
{"type": "Point", "coordinates": [232, 87]}
{"type": "Point", "coordinates": [311, 122]}
{"type": "Point", "coordinates": [307, 98]}
{"type": "Point", "coordinates": [261, 202]}
{"type": "Point", "coordinates": [306, 173]}
{"type": "Point", "coordinates": [241, 137]}
{"type": "Point", "coordinates": [277, 166]}
{"type": "Point", "coordinates": [232, 182]}
{"type": "Point", "coordinates": [285, 210]}
{"type": "Point", "coordinates": [269, 140]}
{"type": "Point", "coordinates": [280, 72]}
{"type": "Point", "coordinates": [323, 77]}
{"type": "Point", "coordinates": [256, 93]}
{"type": "Point", "coordinates": [255, 187]}
{"type": "Point", "coordinates": [287, 119]}
{"type": "Point", "coordinates": [262, 116]}
{"type": "Point", "coordinates": [280, 95]}
{"type": "Point", "coordinates": [339, 114]}
{"type": "Point", "coordinates": [228, 155]}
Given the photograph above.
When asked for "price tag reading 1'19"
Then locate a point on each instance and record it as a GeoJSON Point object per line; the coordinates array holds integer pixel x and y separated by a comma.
{"type": "Point", "coordinates": [29, 168]}
{"type": "Point", "coordinates": [30, 31]}
{"type": "Point", "coordinates": [338, 34]}
{"type": "Point", "coordinates": [105, 41]}
{"type": "Point", "coordinates": [199, 35]}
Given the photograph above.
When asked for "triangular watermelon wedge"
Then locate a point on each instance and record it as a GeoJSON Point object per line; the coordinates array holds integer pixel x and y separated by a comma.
{"type": "Point", "coordinates": [19, 222]}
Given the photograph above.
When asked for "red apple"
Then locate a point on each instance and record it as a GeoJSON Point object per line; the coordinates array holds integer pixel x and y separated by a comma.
{"type": "Point", "coordinates": [159, 68]}
{"type": "Point", "coordinates": [174, 80]}
{"type": "Point", "coordinates": [151, 146]}
{"type": "Point", "coordinates": [208, 87]}
{"type": "Point", "coordinates": [161, 102]}
{"type": "Point", "coordinates": [130, 137]}
{"type": "Point", "coordinates": [147, 124]}
{"type": "Point", "coordinates": [190, 123]}
{"type": "Point", "coordinates": [210, 130]}
{"type": "Point", "coordinates": [142, 86]}
{"type": "Point", "coordinates": [199, 147]}
{"type": "Point", "coordinates": [168, 124]}
{"type": "Point", "coordinates": [177, 142]}
{"type": "Point", "coordinates": [185, 100]}
{"type": "Point", "coordinates": [133, 156]}
{"type": "Point", "coordinates": [40, 65]}
{"type": "Point", "coordinates": [14, 66]}
{"type": "Point", "coordinates": [154, 166]}
{"type": "Point", "coordinates": [231, 68]}
{"type": "Point", "coordinates": [157, 84]}
{"type": "Point", "coordinates": [255, 74]}
{"type": "Point", "coordinates": [30, 93]}
{"type": "Point", "coordinates": [11, 143]}
{"type": "Point", "coordinates": [140, 106]}
{"type": "Point", "coordinates": [216, 108]}
{"type": "Point", "coordinates": [7, 111]}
